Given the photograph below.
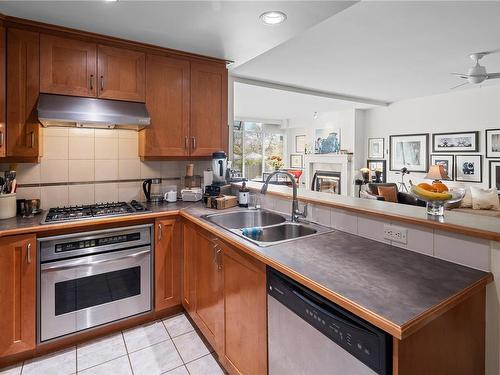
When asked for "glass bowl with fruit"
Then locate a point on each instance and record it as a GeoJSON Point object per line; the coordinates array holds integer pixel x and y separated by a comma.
{"type": "Point", "coordinates": [436, 196]}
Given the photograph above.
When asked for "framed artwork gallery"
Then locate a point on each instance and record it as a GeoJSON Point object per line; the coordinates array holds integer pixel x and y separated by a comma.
{"type": "Point", "coordinates": [409, 151]}
{"type": "Point", "coordinates": [300, 144]}
{"type": "Point", "coordinates": [494, 167]}
{"type": "Point", "coordinates": [456, 142]}
{"type": "Point", "coordinates": [492, 143]}
{"type": "Point", "coordinates": [377, 169]}
{"type": "Point", "coordinates": [296, 161]}
{"type": "Point", "coordinates": [375, 148]}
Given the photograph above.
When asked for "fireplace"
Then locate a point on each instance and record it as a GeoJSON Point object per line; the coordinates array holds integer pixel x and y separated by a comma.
{"type": "Point", "coordinates": [327, 182]}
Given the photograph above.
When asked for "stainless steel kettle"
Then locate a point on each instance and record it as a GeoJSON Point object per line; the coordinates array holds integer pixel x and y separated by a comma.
{"type": "Point", "coordinates": [152, 189]}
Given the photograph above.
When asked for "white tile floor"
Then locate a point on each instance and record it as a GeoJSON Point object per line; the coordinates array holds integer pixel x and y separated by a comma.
{"type": "Point", "coordinates": [170, 347]}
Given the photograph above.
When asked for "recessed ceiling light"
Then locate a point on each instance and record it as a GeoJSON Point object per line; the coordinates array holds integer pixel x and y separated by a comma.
{"type": "Point", "coordinates": [273, 17]}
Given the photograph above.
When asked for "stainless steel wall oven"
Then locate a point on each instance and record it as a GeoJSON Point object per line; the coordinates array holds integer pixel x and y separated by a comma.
{"type": "Point", "coordinates": [93, 278]}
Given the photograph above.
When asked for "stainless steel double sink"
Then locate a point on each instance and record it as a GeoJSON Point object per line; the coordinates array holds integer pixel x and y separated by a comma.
{"type": "Point", "coordinates": [264, 228]}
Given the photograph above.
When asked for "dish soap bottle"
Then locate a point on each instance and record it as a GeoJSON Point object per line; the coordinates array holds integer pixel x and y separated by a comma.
{"type": "Point", "coordinates": [243, 195]}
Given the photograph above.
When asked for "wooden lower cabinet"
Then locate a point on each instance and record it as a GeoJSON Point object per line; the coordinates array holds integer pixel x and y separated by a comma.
{"type": "Point", "coordinates": [18, 294]}
{"type": "Point", "coordinates": [224, 292]}
{"type": "Point", "coordinates": [244, 344]}
{"type": "Point", "coordinates": [168, 253]}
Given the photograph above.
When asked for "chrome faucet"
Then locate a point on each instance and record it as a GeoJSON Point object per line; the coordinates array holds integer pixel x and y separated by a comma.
{"type": "Point", "coordinates": [296, 214]}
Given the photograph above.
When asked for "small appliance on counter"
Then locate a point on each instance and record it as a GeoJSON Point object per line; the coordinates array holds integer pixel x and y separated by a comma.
{"type": "Point", "coordinates": [219, 166]}
{"type": "Point", "coordinates": [152, 190]}
{"type": "Point", "coordinates": [191, 195]}
{"type": "Point", "coordinates": [191, 180]}
{"type": "Point", "coordinates": [8, 186]}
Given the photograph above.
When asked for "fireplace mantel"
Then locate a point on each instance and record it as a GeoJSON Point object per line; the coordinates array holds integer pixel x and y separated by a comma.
{"type": "Point", "coordinates": [334, 162]}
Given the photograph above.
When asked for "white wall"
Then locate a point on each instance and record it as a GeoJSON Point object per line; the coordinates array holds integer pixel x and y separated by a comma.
{"type": "Point", "coordinates": [462, 110]}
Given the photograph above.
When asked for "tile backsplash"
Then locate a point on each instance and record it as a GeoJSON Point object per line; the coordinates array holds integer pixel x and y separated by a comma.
{"type": "Point", "coordinates": [84, 166]}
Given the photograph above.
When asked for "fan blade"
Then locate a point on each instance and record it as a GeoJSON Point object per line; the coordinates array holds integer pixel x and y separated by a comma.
{"type": "Point", "coordinates": [455, 87]}
{"type": "Point", "coordinates": [461, 75]}
{"type": "Point", "coordinates": [493, 75]}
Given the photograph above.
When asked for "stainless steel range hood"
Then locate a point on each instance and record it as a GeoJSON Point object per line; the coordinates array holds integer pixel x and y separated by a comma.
{"type": "Point", "coordinates": [62, 110]}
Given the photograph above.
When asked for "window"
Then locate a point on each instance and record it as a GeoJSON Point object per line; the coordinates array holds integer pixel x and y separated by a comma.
{"type": "Point", "coordinates": [253, 145]}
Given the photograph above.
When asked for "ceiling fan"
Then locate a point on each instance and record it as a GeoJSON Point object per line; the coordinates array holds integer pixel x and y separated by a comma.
{"type": "Point", "coordinates": [477, 74]}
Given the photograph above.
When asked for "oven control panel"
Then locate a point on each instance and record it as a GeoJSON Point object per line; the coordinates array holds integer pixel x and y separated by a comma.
{"type": "Point", "coordinates": [83, 244]}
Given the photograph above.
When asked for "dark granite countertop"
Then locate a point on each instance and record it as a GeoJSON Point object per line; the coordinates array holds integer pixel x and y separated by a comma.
{"type": "Point", "coordinates": [394, 285]}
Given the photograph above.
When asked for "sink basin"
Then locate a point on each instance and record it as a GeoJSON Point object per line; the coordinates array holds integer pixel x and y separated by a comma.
{"type": "Point", "coordinates": [280, 232]}
{"type": "Point", "coordinates": [245, 219]}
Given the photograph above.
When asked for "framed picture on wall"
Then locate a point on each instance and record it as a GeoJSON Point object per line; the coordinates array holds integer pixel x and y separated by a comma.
{"type": "Point", "coordinates": [300, 144]}
{"type": "Point", "coordinates": [377, 169]}
{"type": "Point", "coordinates": [326, 141]}
{"type": "Point", "coordinates": [296, 161]}
{"type": "Point", "coordinates": [492, 143]}
{"type": "Point", "coordinates": [447, 161]}
{"type": "Point", "coordinates": [409, 151]}
{"type": "Point", "coordinates": [469, 168]}
{"type": "Point", "coordinates": [456, 142]}
{"type": "Point", "coordinates": [376, 148]}
{"type": "Point", "coordinates": [495, 174]}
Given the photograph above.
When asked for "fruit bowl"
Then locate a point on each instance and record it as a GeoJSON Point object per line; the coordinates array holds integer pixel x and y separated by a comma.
{"type": "Point", "coordinates": [436, 201]}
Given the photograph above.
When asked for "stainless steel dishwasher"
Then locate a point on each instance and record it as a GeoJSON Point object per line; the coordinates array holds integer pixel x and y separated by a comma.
{"type": "Point", "coordinates": [308, 334]}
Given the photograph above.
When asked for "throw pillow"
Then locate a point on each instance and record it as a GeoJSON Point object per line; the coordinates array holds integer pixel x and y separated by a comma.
{"type": "Point", "coordinates": [390, 193]}
{"type": "Point", "coordinates": [467, 199]}
{"type": "Point", "coordinates": [484, 199]}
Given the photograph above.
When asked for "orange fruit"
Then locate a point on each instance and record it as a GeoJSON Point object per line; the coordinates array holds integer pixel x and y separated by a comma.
{"type": "Point", "coordinates": [439, 187]}
{"type": "Point", "coordinates": [426, 186]}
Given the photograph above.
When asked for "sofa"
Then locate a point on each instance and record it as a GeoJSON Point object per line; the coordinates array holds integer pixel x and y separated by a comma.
{"type": "Point", "coordinates": [404, 198]}
{"type": "Point", "coordinates": [491, 213]}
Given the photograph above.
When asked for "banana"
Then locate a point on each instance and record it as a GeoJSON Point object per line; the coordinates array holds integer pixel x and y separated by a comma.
{"type": "Point", "coordinates": [430, 194]}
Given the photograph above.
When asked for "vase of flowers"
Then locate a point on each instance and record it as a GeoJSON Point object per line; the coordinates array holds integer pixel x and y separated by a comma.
{"type": "Point", "coordinates": [276, 162]}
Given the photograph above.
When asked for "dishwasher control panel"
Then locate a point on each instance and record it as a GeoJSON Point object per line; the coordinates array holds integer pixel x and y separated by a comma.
{"type": "Point", "coordinates": [364, 341]}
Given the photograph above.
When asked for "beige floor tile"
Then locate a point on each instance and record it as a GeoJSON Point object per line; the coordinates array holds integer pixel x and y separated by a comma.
{"type": "Point", "coordinates": [178, 325]}
{"type": "Point", "coordinates": [155, 359]}
{"type": "Point", "coordinates": [59, 363]}
{"type": "Point", "coordinates": [144, 336]}
{"type": "Point", "coordinates": [100, 351]}
{"type": "Point", "coordinates": [190, 346]}
{"type": "Point", "coordinates": [206, 365]}
{"type": "Point", "coordinates": [118, 366]}
{"type": "Point", "coordinates": [12, 370]}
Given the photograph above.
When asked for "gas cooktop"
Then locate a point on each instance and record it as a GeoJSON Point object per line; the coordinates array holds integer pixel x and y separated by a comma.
{"type": "Point", "coordinates": [92, 211]}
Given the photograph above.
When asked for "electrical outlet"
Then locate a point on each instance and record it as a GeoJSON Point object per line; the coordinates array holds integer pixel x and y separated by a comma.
{"type": "Point", "coordinates": [396, 234]}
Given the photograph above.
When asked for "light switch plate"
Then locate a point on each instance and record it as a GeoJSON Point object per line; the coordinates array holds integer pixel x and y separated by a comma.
{"type": "Point", "coordinates": [396, 234]}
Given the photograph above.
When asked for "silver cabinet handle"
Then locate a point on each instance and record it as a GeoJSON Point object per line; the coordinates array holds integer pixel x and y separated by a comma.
{"type": "Point", "coordinates": [186, 142]}
{"type": "Point", "coordinates": [160, 231]}
{"type": "Point", "coordinates": [28, 253]}
{"type": "Point", "coordinates": [85, 263]}
{"type": "Point", "coordinates": [91, 82]}
{"type": "Point", "coordinates": [102, 83]}
{"type": "Point", "coordinates": [193, 140]}
{"type": "Point", "coordinates": [2, 138]}
{"type": "Point", "coordinates": [219, 258]}
{"type": "Point", "coordinates": [32, 139]}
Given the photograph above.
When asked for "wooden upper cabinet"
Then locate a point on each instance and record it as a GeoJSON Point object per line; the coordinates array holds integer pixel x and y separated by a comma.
{"type": "Point", "coordinates": [244, 348]}
{"type": "Point", "coordinates": [209, 127]}
{"type": "Point", "coordinates": [167, 100]}
{"type": "Point", "coordinates": [121, 74]}
{"type": "Point", "coordinates": [18, 291]}
{"type": "Point", "coordinates": [168, 250]}
{"type": "Point", "coordinates": [67, 66]}
{"type": "Point", "coordinates": [23, 84]}
{"type": "Point", "coordinates": [3, 138]}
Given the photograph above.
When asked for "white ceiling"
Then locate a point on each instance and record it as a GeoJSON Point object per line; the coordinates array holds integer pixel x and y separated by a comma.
{"type": "Point", "coordinates": [386, 50]}
{"type": "Point", "coordinates": [225, 29]}
{"type": "Point", "coordinates": [255, 102]}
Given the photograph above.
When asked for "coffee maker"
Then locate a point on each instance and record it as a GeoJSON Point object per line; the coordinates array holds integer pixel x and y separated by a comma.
{"type": "Point", "coordinates": [219, 167]}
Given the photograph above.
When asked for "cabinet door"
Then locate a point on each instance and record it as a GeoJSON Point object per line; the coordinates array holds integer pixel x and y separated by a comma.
{"type": "Point", "coordinates": [209, 128]}
{"type": "Point", "coordinates": [167, 100]}
{"type": "Point", "coordinates": [3, 138]}
{"type": "Point", "coordinates": [188, 267]}
{"type": "Point", "coordinates": [121, 74]}
{"type": "Point", "coordinates": [168, 249]}
{"type": "Point", "coordinates": [23, 129]}
{"type": "Point", "coordinates": [207, 310]}
{"type": "Point", "coordinates": [67, 66]}
{"type": "Point", "coordinates": [18, 291]}
{"type": "Point", "coordinates": [245, 314]}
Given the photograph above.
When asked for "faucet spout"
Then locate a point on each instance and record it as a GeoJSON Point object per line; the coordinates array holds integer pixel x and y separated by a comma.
{"type": "Point", "coordinates": [295, 203]}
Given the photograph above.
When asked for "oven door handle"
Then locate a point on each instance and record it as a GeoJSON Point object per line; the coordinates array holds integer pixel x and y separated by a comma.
{"type": "Point", "coordinates": [83, 263]}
